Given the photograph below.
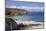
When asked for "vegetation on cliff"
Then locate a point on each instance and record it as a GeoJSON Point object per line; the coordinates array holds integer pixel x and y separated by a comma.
{"type": "Point", "coordinates": [15, 11]}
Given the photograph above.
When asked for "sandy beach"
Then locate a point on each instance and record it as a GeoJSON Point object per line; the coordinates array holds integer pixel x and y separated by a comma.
{"type": "Point", "coordinates": [34, 27]}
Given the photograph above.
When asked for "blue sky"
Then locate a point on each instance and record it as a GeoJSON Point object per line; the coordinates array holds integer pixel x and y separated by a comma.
{"type": "Point", "coordinates": [32, 6]}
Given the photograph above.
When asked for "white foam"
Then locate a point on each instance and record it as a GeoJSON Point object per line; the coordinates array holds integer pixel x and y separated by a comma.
{"type": "Point", "coordinates": [28, 22]}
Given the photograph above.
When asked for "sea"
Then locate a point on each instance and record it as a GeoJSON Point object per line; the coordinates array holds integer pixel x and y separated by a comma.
{"type": "Point", "coordinates": [34, 17]}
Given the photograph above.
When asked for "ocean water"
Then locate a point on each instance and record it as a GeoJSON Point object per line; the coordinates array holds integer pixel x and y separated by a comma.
{"type": "Point", "coordinates": [34, 16]}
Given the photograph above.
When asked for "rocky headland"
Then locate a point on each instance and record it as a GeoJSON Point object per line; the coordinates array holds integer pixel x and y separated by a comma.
{"type": "Point", "coordinates": [15, 11]}
{"type": "Point", "coordinates": [10, 24]}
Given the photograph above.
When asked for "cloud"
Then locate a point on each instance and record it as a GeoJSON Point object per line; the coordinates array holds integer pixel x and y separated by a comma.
{"type": "Point", "coordinates": [33, 9]}
{"type": "Point", "coordinates": [10, 6]}
{"type": "Point", "coordinates": [24, 7]}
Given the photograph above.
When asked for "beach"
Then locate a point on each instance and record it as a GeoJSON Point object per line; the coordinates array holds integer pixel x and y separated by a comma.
{"type": "Point", "coordinates": [34, 27]}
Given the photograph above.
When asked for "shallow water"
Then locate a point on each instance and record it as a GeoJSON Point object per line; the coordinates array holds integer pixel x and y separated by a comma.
{"type": "Point", "coordinates": [34, 16]}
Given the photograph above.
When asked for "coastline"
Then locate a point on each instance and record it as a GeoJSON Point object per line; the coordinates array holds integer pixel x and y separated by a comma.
{"type": "Point", "coordinates": [28, 22]}
{"type": "Point", "coordinates": [32, 25]}
{"type": "Point", "coordinates": [20, 21]}
{"type": "Point", "coordinates": [23, 25]}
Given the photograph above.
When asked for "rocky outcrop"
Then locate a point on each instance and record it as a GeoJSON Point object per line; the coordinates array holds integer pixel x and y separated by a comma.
{"type": "Point", "coordinates": [10, 24]}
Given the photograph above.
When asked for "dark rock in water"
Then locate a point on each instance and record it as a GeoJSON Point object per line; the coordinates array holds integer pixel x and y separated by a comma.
{"type": "Point", "coordinates": [20, 26]}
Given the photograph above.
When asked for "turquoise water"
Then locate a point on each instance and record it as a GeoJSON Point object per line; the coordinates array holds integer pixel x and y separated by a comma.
{"type": "Point", "coordinates": [34, 16]}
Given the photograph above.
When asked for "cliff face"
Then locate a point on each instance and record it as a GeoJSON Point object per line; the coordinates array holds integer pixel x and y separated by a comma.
{"type": "Point", "coordinates": [15, 11]}
{"type": "Point", "coordinates": [10, 24]}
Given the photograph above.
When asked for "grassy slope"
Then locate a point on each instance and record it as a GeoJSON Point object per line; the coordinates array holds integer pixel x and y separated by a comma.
{"type": "Point", "coordinates": [15, 11]}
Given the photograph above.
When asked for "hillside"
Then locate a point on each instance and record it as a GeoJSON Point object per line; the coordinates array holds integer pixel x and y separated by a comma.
{"type": "Point", "coordinates": [15, 11]}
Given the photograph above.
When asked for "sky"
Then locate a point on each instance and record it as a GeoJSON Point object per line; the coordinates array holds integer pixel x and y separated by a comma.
{"type": "Point", "coordinates": [30, 6]}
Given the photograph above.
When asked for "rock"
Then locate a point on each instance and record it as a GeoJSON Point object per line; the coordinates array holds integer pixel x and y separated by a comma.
{"type": "Point", "coordinates": [10, 24]}
{"type": "Point", "coordinates": [21, 26]}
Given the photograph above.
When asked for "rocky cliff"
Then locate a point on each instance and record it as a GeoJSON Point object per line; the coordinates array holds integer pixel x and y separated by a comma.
{"type": "Point", "coordinates": [10, 24]}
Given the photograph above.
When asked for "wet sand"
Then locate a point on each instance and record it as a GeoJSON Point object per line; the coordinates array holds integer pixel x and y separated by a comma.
{"type": "Point", "coordinates": [34, 27]}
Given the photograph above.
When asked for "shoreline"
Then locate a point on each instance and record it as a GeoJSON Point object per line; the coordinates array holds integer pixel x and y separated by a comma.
{"type": "Point", "coordinates": [34, 27]}
{"type": "Point", "coordinates": [13, 25]}
{"type": "Point", "coordinates": [28, 22]}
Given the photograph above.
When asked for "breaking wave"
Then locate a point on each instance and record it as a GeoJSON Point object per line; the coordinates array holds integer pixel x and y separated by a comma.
{"type": "Point", "coordinates": [28, 22]}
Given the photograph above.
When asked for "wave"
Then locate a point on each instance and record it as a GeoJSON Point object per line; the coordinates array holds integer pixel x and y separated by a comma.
{"type": "Point", "coordinates": [28, 22]}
